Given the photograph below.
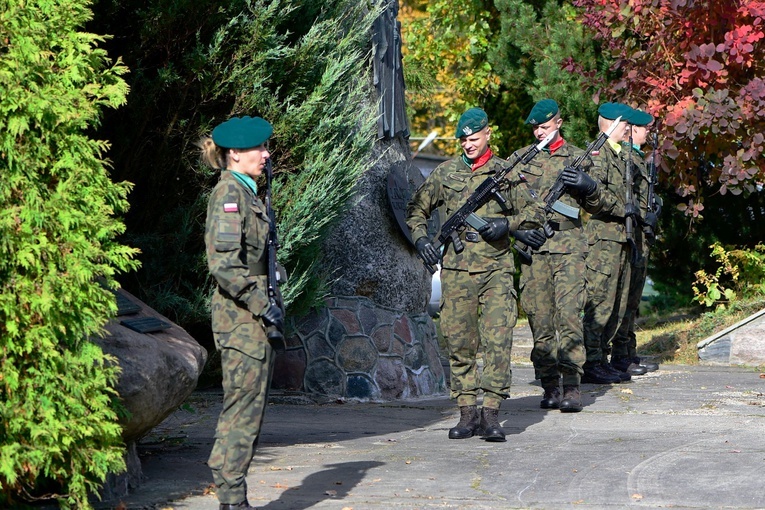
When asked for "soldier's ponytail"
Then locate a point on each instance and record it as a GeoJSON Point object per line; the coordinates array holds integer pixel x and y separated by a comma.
{"type": "Point", "coordinates": [212, 155]}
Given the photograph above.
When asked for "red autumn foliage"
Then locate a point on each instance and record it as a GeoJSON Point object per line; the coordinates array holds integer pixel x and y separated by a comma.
{"type": "Point", "coordinates": [697, 66]}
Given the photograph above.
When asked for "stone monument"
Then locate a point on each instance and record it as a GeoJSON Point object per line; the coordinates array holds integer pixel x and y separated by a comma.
{"type": "Point", "coordinates": [373, 339]}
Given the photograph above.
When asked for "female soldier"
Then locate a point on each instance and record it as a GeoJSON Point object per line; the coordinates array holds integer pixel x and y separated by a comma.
{"type": "Point", "coordinates": [235, 236]}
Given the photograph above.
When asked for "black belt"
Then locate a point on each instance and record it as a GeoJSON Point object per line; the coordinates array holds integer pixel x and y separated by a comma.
{"type": "Point", "coordinates": [472, 237]}
{"type": "Point", "coordinates": [559, 226]}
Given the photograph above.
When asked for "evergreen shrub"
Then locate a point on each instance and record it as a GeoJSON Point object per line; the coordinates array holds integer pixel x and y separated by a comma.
{"type": "Point", "coordinates": [59, 435]}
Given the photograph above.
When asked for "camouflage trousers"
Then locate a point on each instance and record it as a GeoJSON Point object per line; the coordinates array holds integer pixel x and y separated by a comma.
{"type": "Point", "coordinates": [625, 341]}
{"type": "Point", "coordinates": [479, 310]}
{"type": "Point", "coordinates": [552, 295]}
{"type": "Point", "coordinates": [608, 273]}
{"type": "Point", "coordinates": [246, 380]}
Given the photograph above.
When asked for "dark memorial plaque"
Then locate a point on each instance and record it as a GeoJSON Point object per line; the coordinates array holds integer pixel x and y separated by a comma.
{"type": "Point", "coordinates": [145, 324]}
{"type": "Point", "coordinates": [125, 306]}
{"type": "Point", "coordinates": [403, 179]}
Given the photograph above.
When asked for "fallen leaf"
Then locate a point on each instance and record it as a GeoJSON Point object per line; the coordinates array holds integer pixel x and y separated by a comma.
{"type": "Point", "coordinates": [331, 493]}
{"type": "Point", "coordinates": [637, 496]}
{"type": "Point", "coordinates": [338, 483]}
{"type": "Point", "coordinates": [627, 390]}
{"type": "Point", "coordinates": [735, 451]}
{"type": "Point", "coordinates": [762, 376]}
{"type": "Point", "coordinates": [409, 462]}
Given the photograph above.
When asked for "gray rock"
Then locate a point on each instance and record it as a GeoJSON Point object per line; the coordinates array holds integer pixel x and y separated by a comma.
{"type": "Point", "coordinates": [367, 253]}
{"type": "Point", "coordinates": [159, 371]}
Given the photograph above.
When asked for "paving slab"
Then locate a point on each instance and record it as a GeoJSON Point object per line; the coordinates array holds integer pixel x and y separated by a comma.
{"type": "Point", "coordinates": [684, 437]}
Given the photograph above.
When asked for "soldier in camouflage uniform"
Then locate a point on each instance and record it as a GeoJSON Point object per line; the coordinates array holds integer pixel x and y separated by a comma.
{"type": "Point", "coordinates": [608, 268]}
{"type": "Point", "coordinates": [552, 286]}
{"type": "Point", "coordinates": [478, 307]}
{"type": "Point", "coordinates": [624, 356]}
{"type": "Point", "coordinates": [235, 236]}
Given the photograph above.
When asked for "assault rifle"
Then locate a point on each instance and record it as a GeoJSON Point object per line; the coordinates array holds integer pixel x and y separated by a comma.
{"type": "Point", "coordinates": [552, 200]}
{"type": "Point", "coordinates": [653, 175]}
{"type": "Point", "coordinates": [488, 189]}
{"type": "Point", "coordinates": [629, 221]}
{"type": "Point", "coordinates": [274, 332]}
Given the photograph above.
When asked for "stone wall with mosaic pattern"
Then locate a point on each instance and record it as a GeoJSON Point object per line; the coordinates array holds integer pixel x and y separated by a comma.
{"type": "Point", "coordinates": [354, 348]}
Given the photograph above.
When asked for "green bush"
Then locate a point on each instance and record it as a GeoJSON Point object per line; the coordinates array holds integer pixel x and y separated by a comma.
{"type": "Point", "coordinates": [59, 435]}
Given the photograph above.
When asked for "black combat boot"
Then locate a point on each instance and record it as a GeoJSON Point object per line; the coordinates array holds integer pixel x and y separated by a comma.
{"type": "Point", "coordinates": [551, 398]}
{"type": "Point", "coordinates": [649, 365]}
{"type": "Point", "coordinates": [244, 505]}
{"type": "Point", "coordinates": [597, 374]}
{"type": "Point", "coordinates": [627, 365]}
{"type": "Point", "coordinates": [623, 376]}
{"type": "Point", "coordinates": [491, 431]}
{"type": "Point", "coordinates": [572, 400]}
{"type": "Point", "coordinates": [468, 424]}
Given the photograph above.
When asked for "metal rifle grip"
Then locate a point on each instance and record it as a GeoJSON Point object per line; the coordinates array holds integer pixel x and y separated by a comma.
{"type": "Point", "coordinates": [458, 246]}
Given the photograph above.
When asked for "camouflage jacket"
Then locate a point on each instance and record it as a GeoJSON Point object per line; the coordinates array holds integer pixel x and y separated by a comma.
{"type": "Point", "coordinates": [450, 185]}
{"type": "Point", "coordinates": [540, 175]}
{"type": "Point", "coordinates": [236, 233]}
{"type": "Point", "coordinates": [609, 169]}
{"type": "Point", "coordinates": [641, 180]}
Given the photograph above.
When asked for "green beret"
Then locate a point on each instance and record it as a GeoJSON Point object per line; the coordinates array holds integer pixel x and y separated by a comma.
{"type": "Point", "coordinates": [639, 118]}
{"type": "Point", "coordinates": [612, 110]}
{"type": "Point", "coordinates": [543, 111]}
{"type": "Point", "coordinates": [242, 132]}
{"type": "Point", "coordinates": [472, 121]}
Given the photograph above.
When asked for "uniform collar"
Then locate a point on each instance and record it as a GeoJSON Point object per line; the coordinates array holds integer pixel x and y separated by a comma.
{"type": "Point", "coordinates": [478, 162]}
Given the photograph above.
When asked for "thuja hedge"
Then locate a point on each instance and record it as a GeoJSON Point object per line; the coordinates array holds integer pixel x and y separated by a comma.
{"type": "Point", "coordinates": [59, 435]}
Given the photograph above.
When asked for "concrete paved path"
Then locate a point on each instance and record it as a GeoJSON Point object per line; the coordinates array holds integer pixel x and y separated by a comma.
{"type": "Point", "coordinates": [683, 437]}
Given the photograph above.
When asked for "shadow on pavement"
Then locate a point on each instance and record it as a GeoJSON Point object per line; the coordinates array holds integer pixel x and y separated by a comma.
{"type": "Point", "coordinates": [335, 482]}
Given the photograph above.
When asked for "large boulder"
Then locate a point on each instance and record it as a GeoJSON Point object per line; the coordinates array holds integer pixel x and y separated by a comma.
{"type": "Point", "coordinates": [159, 369]}
{"type": "Point", "coordinates": [160, 364]}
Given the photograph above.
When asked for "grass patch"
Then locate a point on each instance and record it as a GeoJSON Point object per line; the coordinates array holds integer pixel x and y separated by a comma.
{"type": "Point", "coordinates": [672, 339]}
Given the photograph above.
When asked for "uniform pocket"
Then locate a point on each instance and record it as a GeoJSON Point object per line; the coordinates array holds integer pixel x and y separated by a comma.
{"type": "Point", "coordinates": [228, 235]}
{"type": "Point", "coordinates": [247, 338]}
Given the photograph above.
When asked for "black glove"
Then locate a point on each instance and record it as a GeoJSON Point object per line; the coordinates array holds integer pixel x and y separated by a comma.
{"type": "Point", "coordinates": [650, 235]}
{"type": "Point", "coordinates": [631, 210]}
{"type": "Point", "coordinates": [273, 316]}
{"type": "Point", "coordinates": [579, 181]}
{"type": "Point", "coordinates": [495, 229]}
{"type": "Point", "coordinates": [534, 238]}
{"type": "Point", "coordinates": [427, 251]}
{"type": "Point", "coordinates": [651, 220]}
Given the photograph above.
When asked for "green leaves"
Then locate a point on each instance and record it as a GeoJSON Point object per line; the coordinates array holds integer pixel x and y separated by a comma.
{"type": "Point", "coordinates": [58, 240]}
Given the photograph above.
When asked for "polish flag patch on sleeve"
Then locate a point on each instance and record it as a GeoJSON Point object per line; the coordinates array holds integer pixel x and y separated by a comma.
{"type": "Point", "coordinates": [230, 207]}
{"type": "Point", "coordinates": [595, 153]}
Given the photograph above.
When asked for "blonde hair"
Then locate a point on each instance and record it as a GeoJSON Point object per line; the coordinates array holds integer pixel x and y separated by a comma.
{"type": "Point", "coordinates": [212, 155]}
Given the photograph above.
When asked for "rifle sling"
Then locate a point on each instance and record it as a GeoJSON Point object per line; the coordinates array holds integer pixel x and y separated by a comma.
{"type": "Point", "coordinates": [560, 226]}
{"type": "Point", "coordinates": [258, 268]}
